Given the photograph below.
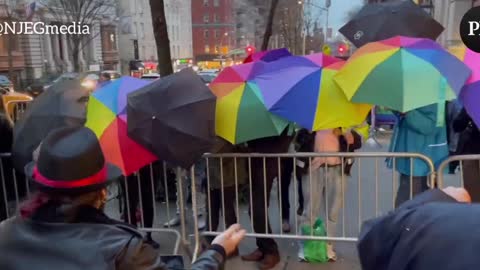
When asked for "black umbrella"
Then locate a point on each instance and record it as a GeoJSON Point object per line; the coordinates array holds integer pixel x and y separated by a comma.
{"type": "Point", "coordinates": [63, 104]}
{"type": "Point", "coordinates": [174, 118]}
{"type": "Point", "coordinates": [380, 21]}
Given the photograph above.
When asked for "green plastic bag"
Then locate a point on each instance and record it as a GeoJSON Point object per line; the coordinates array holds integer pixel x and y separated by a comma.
{"type": "Point", "coordinates": [315, 250]}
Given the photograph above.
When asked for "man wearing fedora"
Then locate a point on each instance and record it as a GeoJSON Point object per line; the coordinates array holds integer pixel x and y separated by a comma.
{"type": "Point", "coordinates": [63, 225]}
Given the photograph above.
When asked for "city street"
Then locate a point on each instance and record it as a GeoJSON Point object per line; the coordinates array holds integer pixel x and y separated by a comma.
{"type": "Point", "coordinates": [365, 196]}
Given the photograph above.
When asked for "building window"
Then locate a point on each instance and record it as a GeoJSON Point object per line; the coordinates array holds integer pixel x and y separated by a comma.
{"type": "Point", "coordinates": [142, 29]}
{"type": "Point", "coordinates": [217, 49]}
{"type": "Point", "coordinates": [206, 18]}
{"type": "Point", "coordinates": [216, 18]}
{"type": "Point", "coordinates": [216, 3]}
{"type": "Point", "coordinates": [109, 38]}
{"type": "Point", "coordinates": [217, 34]}
{"type": "Point", "coordinates": [205, 3]}
{"type": "Point", "coordinates": [205, 34]}
{"type": "Point", "coordinates": [207, 49]}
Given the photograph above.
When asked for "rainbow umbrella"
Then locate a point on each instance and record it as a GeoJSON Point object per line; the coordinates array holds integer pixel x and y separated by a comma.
{"type": "Point", "coordinates": [402, 73]}
{"type": "Point", "coordinates": [107, 117]}
{"type": "Point", "coordinates": [301, 89]}
{"type": "Point", "coordinates": [470, 95]}
{"type": "Point", "coordinates": [241, 114]}
{"type": "Point", "coordinates": [267, 56]}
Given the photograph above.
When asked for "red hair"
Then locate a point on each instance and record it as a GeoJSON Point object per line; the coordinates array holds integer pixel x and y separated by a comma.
{"type": "Point", "coordinates": [37, 200]}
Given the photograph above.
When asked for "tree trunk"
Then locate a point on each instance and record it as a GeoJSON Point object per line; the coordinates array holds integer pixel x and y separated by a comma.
{"type": "Point", "coordinates": [161, 37]}
{"type": "Point", "coordinates": [269, 26]}
{"type": "Point", "coordinates": [10, 59]}
{"type": "Point", "coordinates": [76, 58]}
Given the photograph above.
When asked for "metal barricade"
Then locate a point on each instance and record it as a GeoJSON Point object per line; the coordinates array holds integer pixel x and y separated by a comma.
{"type": "Point", "coordinates": [464, 163]}
{"type": "Point", "coordinates": [370, 197]}
{"type": "Point", "coordinates": [15, 188]}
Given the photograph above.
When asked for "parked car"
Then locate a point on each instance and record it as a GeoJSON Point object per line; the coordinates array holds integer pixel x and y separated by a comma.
{"type": "Point", "coordinates": [151, 76]}
{"type": "Point", "coordinates": [90, 79]}
{"type": "Point", "coordinates": [207, 76]}
{"type": "Point", "coordinates": [6, 84]}
{"type": "Point", "coordinates": [41, 85]}
{"type": "Point", "coordinates": [384, 117]}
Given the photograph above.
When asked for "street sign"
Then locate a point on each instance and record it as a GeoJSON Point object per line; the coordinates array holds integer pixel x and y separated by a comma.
{"type": "Point", "coordinates": [327, 50]}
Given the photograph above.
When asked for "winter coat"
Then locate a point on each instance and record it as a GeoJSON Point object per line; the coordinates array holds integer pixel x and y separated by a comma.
{"type": "Point", "coordinates": [432, 232]}
{"type": "Point", "coordinates": [417, 132]}
{"type": "Point", "coordinates": [453, 110]}
{"type": "Point", "coordinates": [225, 167]}
{"type": "Point", "coordinates": [469, 142]}
{"type": "Point", "coordinates": [90, 241]}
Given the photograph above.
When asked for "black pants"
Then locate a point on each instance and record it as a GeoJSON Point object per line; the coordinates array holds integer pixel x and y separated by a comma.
{"type": "Point", "coordinates": [131, 192]}
{"type": "Point", "coordinates": [471, 178]}
{"type": "Point", "coordinates": [214, 209]}
{"type": "Point", "coordinates": [286, 177]}
{"type": "Point", "coordinates": [260, 187]}
{"type": "Point", "coordinates": [419, 185]}
{"type": "Point", "coordinates": [452, 166]}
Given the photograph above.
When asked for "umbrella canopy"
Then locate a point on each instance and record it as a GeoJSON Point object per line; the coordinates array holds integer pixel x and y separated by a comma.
{"type": "Point", "coordinates": [380, 21]}
{"type": "Point", "coordinates": [470, 95]}
{"type": "Point", "coordinates": [107, 117]}
{"type": "Point", "coordinates": [301, 89]}
{"type": "Point", "coordinates": [241, 114]}
{"type": "Point", "coordinates": [62, 105]}
{"type": "Point", "coordinates": [267, 56]}
{"type": "Point", "coordinates": [402, 74]}
{"type": "Point", "coordinates": [174, 118]}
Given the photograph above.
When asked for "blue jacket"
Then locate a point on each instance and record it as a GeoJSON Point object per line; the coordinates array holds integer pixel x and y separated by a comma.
{"type": "Point", "coordinates": [417, 132]}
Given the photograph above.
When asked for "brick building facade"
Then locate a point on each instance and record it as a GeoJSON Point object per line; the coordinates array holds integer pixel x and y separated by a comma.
{"type": "Point", "coordinates": [213, 24]}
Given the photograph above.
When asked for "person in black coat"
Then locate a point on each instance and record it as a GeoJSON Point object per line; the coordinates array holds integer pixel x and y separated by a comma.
{"type": "Point", "coordinates": [438, 230]}
{"type": "Point", "coordinates": [469, 144]}
{"type": "Point", "coordinates": [266, 254]}
{"type": "Point", "coordinates": [7, 173]}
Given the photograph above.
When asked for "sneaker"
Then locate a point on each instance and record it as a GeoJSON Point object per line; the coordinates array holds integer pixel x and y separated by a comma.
{"type": "Point", "coordinates": [286, 226]}
{"type": "Point", "coordinates": [202, 223]}
{"type": "Point", "coordinates": [301, 255]}
{"type": "Point", "coordinates": [173, 222]}
{"type": "Point", "coordinates": [332, 255]}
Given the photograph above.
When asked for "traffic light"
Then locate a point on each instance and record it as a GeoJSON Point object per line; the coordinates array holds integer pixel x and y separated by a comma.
{"type": "Point", "coordinates": [342, 49]}
{"type": "Point", "coordinates": [250, 50]}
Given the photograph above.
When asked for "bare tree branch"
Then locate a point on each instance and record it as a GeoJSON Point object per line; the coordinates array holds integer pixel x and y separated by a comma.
{"type": "Point", "coordinates": [83, 12]}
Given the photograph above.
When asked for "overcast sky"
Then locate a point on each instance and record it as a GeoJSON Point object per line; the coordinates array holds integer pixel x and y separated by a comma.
{"type": "Point", "coordinates": [338, 11]}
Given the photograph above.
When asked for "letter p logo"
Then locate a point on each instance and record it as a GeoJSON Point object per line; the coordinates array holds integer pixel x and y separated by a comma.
{"type": "Point", "coordinates": [470, 29]}
{"type": "Point", "coordinates": [473, 26]}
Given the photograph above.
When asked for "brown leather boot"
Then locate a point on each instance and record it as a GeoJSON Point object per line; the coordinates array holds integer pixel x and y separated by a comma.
{"type": "Point", "coordinates": [269, 261]}
{"type": "Point", "coordinates": [255, 256]}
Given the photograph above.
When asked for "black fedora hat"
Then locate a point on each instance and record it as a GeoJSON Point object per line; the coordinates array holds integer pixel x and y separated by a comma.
{"type": "Point", "coordinates": [71, 161]}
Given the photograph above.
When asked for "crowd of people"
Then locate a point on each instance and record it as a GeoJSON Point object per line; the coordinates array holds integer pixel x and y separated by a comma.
{"type": "Point", "coordinates": [70, 182]}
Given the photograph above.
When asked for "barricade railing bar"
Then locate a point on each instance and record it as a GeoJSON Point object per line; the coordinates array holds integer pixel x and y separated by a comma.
{"type": "Point", "coordinates": [322, 173]}
{"type": "Point", "coordinates": [462, 161]}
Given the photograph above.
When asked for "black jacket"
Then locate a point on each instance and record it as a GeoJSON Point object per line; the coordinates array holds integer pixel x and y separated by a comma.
{"type": "Point", "coordinates": [469, 142]}
{"type": "Point", "coordinates": [432, 231]}
{"type": "Point", "coordinates": [91, 241]}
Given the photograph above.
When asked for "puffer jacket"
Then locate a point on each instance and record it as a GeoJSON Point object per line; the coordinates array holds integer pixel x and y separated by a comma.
{"type": "Point", "coordinates": [91, 241]}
